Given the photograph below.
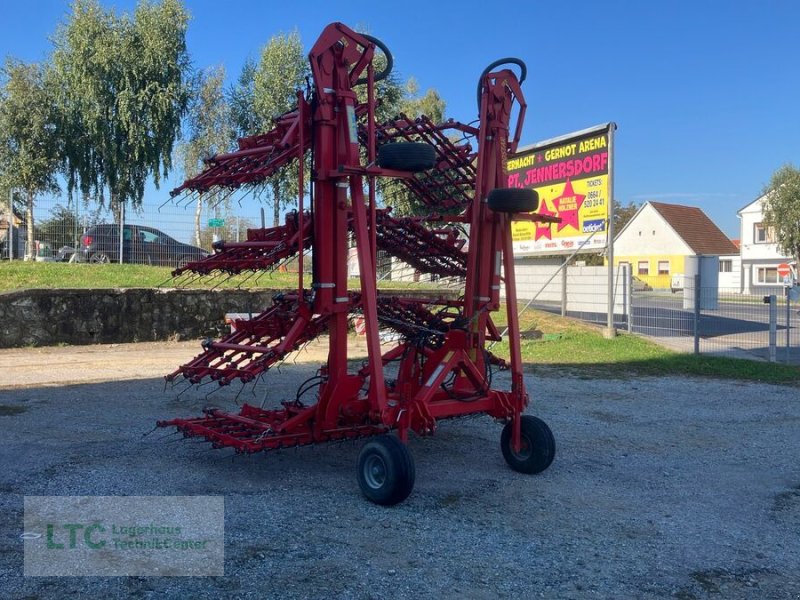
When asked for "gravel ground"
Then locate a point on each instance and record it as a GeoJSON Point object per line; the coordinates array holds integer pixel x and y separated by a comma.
{"type": "Point", "coordinates": [661, 488]}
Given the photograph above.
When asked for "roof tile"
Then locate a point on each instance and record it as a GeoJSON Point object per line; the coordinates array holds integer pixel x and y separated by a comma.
{"type": "Point", "coordinates": [696, 229]}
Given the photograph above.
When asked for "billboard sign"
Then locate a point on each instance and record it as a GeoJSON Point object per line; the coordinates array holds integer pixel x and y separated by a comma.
{"type": "Point", "coordinates": [573, 177]}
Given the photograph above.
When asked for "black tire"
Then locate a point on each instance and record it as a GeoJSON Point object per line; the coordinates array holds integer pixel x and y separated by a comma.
{"type": "Point", "coordinates": [513, 200]}
{"type": "Point", "coordinates": [538, 446]}
{"type": "Point", "coordinates": [100, 258]}
{"type": "Point", "coordinates": [407, 156]}
{"type": "Point", "coordinates": [385, 470]}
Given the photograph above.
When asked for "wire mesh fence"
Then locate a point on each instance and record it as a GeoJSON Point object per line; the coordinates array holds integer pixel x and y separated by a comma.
{"type": "Point", "coordinates": [159, 232]}
{"type": "Point", "coordinates": [698, 318]}
{"type": "Point", "coordinates": [704, 319]}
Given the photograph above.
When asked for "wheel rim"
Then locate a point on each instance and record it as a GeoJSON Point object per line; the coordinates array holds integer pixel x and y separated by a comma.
{"type": "Point", "coordinates": [525, 449]}
{"type": "Point", "coordinates": [100, 258]}
{"type": "Point", "coordinates": [375, 472]}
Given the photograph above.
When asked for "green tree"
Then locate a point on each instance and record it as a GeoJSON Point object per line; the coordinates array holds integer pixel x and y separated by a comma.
{"type": "Point", "coordinates": [210, 132]}
{"type": "Point", "coordinates": [782, 209]}
{"type": "Point", "coordinates": [405, 98]}
{"type": "Point", "coordinates": [61, 228]}
{"type": "Point", "coordinates": [123, 93]}
{"type": "Point", "coordinates": [29, 148]}
{"type": "Point", "coordinates": [430, 104]}
{"type": "Point", "coordinates": [272, 84]}
{"type": "Point", "coordinates": [241, 97]}
{"type": "Point", "coordinates": [622, 215]}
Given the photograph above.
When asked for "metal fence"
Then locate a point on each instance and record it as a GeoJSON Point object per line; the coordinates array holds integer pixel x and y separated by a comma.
{"type": "Point", "coordinates": [722, 321]}
{"type": "Point", "coordinates": [699, 318]}
{"type": "Point", "coordinates": [704, 319]}
{"type": "Point", "coordinates": [159, 232]}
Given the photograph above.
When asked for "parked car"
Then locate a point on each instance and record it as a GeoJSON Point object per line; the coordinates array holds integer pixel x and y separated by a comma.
{"type": "Point", "coordinates": [140, 245]}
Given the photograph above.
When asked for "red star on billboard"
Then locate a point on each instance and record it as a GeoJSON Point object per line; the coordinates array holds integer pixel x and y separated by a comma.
{"type": "Point", "coordinates": [544, 230]}
{"type": "Point", "coordinates": [567, 206]}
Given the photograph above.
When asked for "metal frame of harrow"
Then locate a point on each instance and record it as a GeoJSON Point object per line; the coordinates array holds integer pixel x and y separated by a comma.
{"type": "Point", "coordinates": [443, 369]}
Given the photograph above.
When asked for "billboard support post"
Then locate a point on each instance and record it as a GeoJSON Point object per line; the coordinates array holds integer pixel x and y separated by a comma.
{"type": "Point", "coordinates": [610, 331]}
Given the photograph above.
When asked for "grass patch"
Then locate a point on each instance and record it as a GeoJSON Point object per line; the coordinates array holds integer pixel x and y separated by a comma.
{"type": "Point", "coordinates": [581, 349]}
{"type": "Point", "coordinates": [19, 275]}
{"type": "Point", "coordinates": [31, 275]}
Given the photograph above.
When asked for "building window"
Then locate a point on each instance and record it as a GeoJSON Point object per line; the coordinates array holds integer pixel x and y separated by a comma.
{"type": "Point", "coordinates": [725, 265]}
{"type": "Point", "coordinates": [763, 235]}
{"type": "Point", "coordinates": [766, 275]}
{"type": "Point", "coordinates": [643, 267]}
{"type": "Point", "coordinates": [663, 267]}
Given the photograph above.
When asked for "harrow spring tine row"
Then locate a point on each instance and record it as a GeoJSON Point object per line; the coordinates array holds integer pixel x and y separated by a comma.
{"type": "Point", "coordinates": [258, 157]}
{"type": "Point", "coordinates": [255, 346]}
{"type": "Point", "coordinates": [429, 251]}
{"type": "Point", "coordinates": [264, 249]}
{"type": "Point", "coordinates": [451, 184]}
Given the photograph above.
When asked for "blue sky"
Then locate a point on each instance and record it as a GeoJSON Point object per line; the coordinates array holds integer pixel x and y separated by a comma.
{"type": "Point", "coordinates": [705, 93]}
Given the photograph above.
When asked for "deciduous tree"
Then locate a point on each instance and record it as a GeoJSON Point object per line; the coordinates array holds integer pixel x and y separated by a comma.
{"type": "Point", "coordinates": [782, 209]}
{"type": "Point", "coordinates": [209, 132]}
{"type": "Point", "coordinates": [123, 93]}
{"type": "Point", "coordinates": [29, 139]}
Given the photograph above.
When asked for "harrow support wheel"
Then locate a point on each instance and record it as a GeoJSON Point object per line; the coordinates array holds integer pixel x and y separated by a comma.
{"type": "Point", "coordinates": [385, 470]}
{"type": "Point", "coordinates": [538, 446]}
{"type": "Point", "coordinates": [512, 200]}
{"type": "Point", "coordinates": [407, 156]}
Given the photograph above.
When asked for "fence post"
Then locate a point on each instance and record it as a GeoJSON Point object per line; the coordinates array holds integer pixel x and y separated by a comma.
{"type": "Point", "coordinates": [121, 228]}
{"type": "Point", "coordinates": [788, 324]}
{"type": "Point", "coordinates": [696, 324]}
{"type": "Point", "coordinates": [773, 326]}
{"type": "Point", "coordinates": [628, 278]}
{"type": "Point", "coordinates": [10, 238]}
{"type": "Point", "coordinates": [564, 289]}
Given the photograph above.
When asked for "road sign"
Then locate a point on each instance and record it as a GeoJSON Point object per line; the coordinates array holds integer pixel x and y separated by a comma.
{"type": "Point", "coordinates": [784, 270]}
{"type": "Point", "coordinates": [216, 222]}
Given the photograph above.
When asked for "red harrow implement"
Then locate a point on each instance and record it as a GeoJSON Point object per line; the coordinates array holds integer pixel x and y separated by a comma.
{"type": "Point", "coordinates": [443, 368]}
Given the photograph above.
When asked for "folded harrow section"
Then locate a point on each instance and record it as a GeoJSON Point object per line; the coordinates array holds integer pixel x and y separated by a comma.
{"type": "Point", "coordinates": [257, 158]}
{"type": "Point", "coordinates": [263, 249]}
{"type": "Point", "coordinates": [432, 251]}
{"type": "Point", "coordinates": [256, 344]}
{"type": "Point", "coordinates": [450, 185]}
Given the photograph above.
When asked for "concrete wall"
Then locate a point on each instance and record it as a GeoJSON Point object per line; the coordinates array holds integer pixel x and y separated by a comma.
{"type": "Point", "coordinates": [586, 287]}
{"type": "Point", "coordinates": [49, 317]}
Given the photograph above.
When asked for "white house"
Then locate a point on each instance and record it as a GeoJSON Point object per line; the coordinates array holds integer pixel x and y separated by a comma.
{"type": "Point", "coordinates": [759, 252]}
{"type": "Point", "coordinates": [659, 238]}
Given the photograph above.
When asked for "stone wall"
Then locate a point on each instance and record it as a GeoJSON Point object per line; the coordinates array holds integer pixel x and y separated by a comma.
{"type": "Point", "coordinates": [51, 317]}
{"type": "Point", "coordinates": [110, 316]}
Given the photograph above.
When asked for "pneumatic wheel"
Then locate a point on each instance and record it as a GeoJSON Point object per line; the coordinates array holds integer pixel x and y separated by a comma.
{"type": "Point", "coordinates": [513, 200]}
{"type": "Point", "coordinates": [407, 156]}
{"type": "Point", "coordinates": [100, 258]}
{"type": "Point", "coordinates": [385, 470]}
{"type": "Point", "coordinates": [538, 446]}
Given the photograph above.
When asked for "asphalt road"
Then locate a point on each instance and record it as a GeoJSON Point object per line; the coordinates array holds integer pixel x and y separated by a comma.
{"type": "Point", "coordinates": [735, 328]}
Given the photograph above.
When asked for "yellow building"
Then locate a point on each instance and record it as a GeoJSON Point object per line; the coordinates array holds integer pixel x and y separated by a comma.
{"type": "Point", "coordinates": [659, 237]}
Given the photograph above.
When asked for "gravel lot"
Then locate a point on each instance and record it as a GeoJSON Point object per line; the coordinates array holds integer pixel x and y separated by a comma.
{"type": "Point", "coordinates": [661, 488]}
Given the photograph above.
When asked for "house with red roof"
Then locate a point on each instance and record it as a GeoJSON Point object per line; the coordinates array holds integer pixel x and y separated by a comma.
{"type": "Point", "coordinates": [659, 237]}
